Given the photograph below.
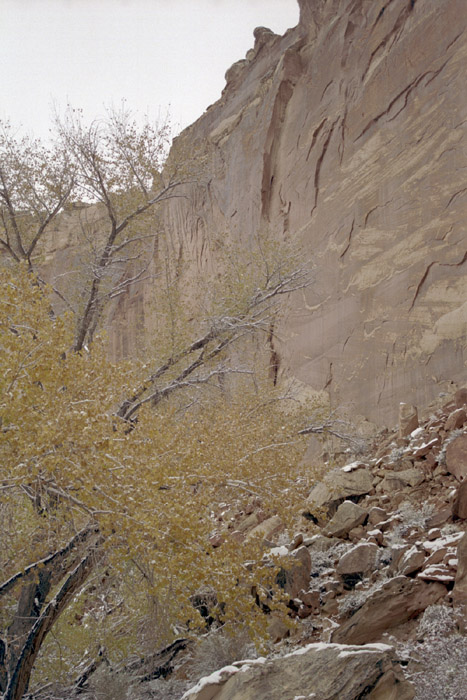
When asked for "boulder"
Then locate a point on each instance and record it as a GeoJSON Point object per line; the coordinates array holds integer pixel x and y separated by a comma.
{"type": "Point", "coordinates": [342, 483]}
{"type": "Point", "coordinates": [321, 671]}
{"type": "Point", "coordinates": [393, 481]}
{"type": "Point", "coordinates": [359, 559]}
{"type": "Point", "coordinates": [395, 602]}
{"type": "Point", "coordinates": [320, 543]}
{"type": "Point", "coordinates": [437, 572]}
{"type": "Point", "coordinates": [456, 457]}
{"type": "Point", "coordinates": [347, 516]}
{"type": "Point", "coordinates": [376, 515]}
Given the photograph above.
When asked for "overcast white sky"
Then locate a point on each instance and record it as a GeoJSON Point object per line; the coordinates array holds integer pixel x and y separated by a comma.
{"type": "Point", "coordinates": [154, 53]}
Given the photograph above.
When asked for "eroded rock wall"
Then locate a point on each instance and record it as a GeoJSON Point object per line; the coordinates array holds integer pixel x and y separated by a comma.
{"type": "Point", "coordinates": [347, 134]}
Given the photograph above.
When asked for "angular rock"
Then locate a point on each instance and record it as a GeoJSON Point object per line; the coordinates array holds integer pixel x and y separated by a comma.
{"type": "Point", "coordinates": [295, 578]}
{"type": "Point", "coordinates": [397, 552]}
{"type": "Point", "coordinates": [459, 506]}
{"type": "Point", "coordinates": [321, 671]}
{"type": "Point", "coordinates": [376, 515]}
{"type": "Point", "coordinates": [408, 419]}
{"type": "Point", "coordinates": [267, 529]}
{"type": "Point", "coordinates": [320, 543]}
{"type": "Point", "coordinates": [393, 481]}
{"type": "Point", "coordinates": [340, 484]}
{"type": "Point", "coordinates": [395, 602]}
{"type": "Point", "coordinates": [357, 533]}
{"type": "Point", "coordinates": [456, 419]}
{"type": "Point", "coordinates": [437, 572]}
{"type": "Point", "coordinates": [347, 516]}
{"type": "Point", "coordinates": [426, 447]}
{"type": "Point", "coordinates": [359, 559]}
{"type": "Point", "coordinates": [439, 518]}
{"type": "Point", "coordinates": [437, 556]}
{"type": "Point", "coordinates": [460, 397]}
{"type": "Point", "coordinates": [411, 561]}
{"type": "Point", "coordinates": [456, 457]}
{"type": "Point", "coordinates": [310, 598]}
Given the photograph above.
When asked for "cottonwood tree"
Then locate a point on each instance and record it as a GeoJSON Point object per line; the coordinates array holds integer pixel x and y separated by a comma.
{"type": "Point", "coordinates": [120, 470]}
{"type": "Point", "coordinates": [112, 166]}
{"type": "Point", "coordinates": [87, 489]}
{"type": "Point", "coordinates": [36, 182]}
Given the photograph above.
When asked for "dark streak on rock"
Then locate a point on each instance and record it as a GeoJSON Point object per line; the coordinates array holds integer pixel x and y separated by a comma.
{"type": "Point", "coordinates": [421, 283]}
{"type": "Point", "coordinates": [425, 275]}
{"type": "Point", "coordinates": [341, 148]}
{"type": "Point", "coordinates": [324, 91]}
{"type": "Point", "coordinates": [405, 94]}
{"type": "Point", "coordinates": [349, 239]}
{"type": "Point", "coordinates": [315, 136]}
{"type": "Point", "coordinates": [454, 40]}
{"type": "Point", "coordinates": [453, 197]}
{"type": "Point", "coordinates": [319, 163]}
{"type": "Point", "coordinates": [392, 33]}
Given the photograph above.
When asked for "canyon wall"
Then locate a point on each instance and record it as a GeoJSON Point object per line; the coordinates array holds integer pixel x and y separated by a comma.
{"type": "Point", "coordinates": [347, 135]}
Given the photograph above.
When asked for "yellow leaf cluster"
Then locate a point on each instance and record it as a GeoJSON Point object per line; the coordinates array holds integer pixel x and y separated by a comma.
{"type": "Point", "coordinates": [157, 491]}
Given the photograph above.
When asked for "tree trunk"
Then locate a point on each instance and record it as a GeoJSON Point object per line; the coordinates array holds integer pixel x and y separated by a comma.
{"type": "Point", "coordinates": [19, 679]}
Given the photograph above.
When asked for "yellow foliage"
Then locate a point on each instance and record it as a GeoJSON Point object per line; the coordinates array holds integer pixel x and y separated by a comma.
{"type": "Point", "coordinates": [157, 491]}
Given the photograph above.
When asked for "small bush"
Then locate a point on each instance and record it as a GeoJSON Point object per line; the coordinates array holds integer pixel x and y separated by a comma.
{"type": "Point", "coordinates": [106, 684]}
{"type": "Point", "coordinates": [410, 517]}
{"type": "Point", "coordinates": [219, 649]}
{"type": "Point", "coordinates": [444, 669]}
{"type": "Point", "coordinates": [436, 621]}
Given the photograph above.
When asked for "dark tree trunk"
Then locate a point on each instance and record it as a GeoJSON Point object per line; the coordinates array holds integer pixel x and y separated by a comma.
{"type": "Point", "coordinates": [19, 679]}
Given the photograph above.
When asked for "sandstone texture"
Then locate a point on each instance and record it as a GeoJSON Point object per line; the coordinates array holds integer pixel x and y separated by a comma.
{"type": "Point", "coordinates": [347, 135]}
{"type": "Point", "coordinates": [456, 457]}
{"type": "Point", "coordinates": [340, 484]}
{"type": "Point", "coordinates": [348, 516]}
{"type": "Point", "coordinates": [395, 602]}
{"type": "Point", "coordinates": [324, 671]}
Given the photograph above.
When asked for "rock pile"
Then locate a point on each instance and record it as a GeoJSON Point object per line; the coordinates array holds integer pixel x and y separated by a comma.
{"type": "Point", "coordinates": [389, 542]}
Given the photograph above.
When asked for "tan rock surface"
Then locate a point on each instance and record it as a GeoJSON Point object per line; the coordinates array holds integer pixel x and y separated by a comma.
{"type": "Point", "coordinates": [459, 506]}
{"type": "Point", "coordinates": [456, 457]}
{"type": "Point", "coordinates": [393, 603]}
{"type": "Point", "coordinates": [339, 484]}
{"type": "Point", "coordinates": [360, 559]}
{"type": "Point", "coordinates": [348, 135]}
{"type": "Point", "coordinates": [322, 671]}
{"type": "Point", "coordinates": [347, 516]}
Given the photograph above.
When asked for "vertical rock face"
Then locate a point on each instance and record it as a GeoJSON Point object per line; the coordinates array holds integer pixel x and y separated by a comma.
{"type": "Point", "coordinates": [348, 135]}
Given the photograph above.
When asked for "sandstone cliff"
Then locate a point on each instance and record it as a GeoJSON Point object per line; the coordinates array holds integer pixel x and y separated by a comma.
{"type": "Point", "coordinates": [347, 134]}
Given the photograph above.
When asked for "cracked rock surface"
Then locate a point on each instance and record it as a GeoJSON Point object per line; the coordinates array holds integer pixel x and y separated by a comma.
{"type": "Point", "coordinates": [348, 134]}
